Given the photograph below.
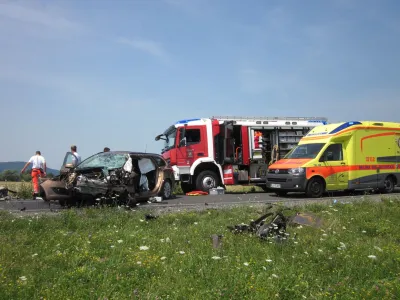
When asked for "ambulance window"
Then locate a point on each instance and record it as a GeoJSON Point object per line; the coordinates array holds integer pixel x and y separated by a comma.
{"type": "Point", "coordinates": [334, 153]}
{"type": "Point", "coordinates": [192, 136]}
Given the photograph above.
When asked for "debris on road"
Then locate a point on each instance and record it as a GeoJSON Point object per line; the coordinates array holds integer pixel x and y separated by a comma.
{"type": "Point", "coordinates": [276, 227]}
{"type": "Point", "coordinates": [196, 193]}
{"type": "Point", "coordinates": [216, 240]}
{"type": "Point", "coordinates": [4, 193]}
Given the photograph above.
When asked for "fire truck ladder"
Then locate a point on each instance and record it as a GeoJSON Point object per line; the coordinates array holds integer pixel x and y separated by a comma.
{"type": "Point", "coordinates": [266, 120]}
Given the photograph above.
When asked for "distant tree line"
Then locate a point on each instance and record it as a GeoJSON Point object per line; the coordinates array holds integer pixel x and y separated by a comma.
{"type": "Point", "coordinates": [14, 175]}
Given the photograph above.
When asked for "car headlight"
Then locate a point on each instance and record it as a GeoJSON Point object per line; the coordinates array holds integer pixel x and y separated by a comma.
{"type": "Point", "coordinates": [295, 171]}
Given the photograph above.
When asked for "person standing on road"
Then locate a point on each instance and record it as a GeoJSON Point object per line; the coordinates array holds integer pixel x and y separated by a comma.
{"type": "Point", "coordinates": [76, 159]}
{"type": "Point", "coordinates": [38, 170]}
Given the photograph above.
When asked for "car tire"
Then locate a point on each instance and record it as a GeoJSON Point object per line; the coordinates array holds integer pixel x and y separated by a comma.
{"type": "Point", "coordinates": [206, 180]}
{"type": "Point", "coordinates": [166, 190]}
{"type": "Point", "coordinates": [389, 185]}
{"type": "Point", "coordinates": [315, 188]}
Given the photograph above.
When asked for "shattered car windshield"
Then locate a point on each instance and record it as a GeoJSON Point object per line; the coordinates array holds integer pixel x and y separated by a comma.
{"type": "Point", "coordinates": [305, 151]}
{"type": "Point", "coordinates": [105, 160]}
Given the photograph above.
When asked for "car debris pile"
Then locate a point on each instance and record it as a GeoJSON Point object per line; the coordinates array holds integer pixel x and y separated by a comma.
{"type": "Point", "coordinates": [4, 193]}
{"type": "Point", "coordinates": [275, 228]}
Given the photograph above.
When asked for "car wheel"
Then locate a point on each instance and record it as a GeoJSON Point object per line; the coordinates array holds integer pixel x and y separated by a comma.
{"type": "Point", "coordinates": [315, 187]}
{"type": "Point", "coordinates": [388, 185]}
{"type": "Point", "coordinates": [206, 180]}
{"type": "Point", "coordinates": [166, 191]}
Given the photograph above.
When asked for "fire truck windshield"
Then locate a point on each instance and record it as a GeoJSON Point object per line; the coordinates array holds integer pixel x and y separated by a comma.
{"type": "Point", "coordinates": [169, 141]}
{"type": "Point", "coordinates": [305, 151]}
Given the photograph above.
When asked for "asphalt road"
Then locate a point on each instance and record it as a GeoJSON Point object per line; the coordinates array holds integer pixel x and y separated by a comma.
{"type": "Point", "coordinates": [197, 201]}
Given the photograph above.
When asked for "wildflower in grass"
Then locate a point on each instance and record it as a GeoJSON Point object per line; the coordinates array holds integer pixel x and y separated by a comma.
{"type": "Point", "coordinates": [274, 275]}
{"type": "Point", "coordinates": [167, 240]}
{"type": "Point", "coordinates": [268, 260]}
{"type": "Point", "coordinates": [139, 262]}
{"type": "Point", "coordinates": [33, 255]}
{"type": "Point", "coordinates": [377, 248]}
{"type": "Point", "coordinates": [246, 264]}
{"type": "Point", "coordinates": [112, 246]}
{"type": "Point", "coordinates": [216, 257]}
{"type": "Point", "coordinates": [23, 278]}
{"type": "Point", "coordinates": [120, 241]}
{"type": "Point", "coordinates": [163, 258]}
{"type": "Point", "coordinates": [344, 228]}
{"type": "Point", "coordinates": [264, 268]}
{"type": "Point", "coordinates": [320, 250]}
{"type": "Point", "coordinates": [144, 248]}
{"type": "Point", "coordinates": [162, 240]}
{"type": "Point", "coordinates": [363, 231]}
{"type": "Point", "coordinates": [195, 223]}
{"type": "Point", "coordinates": [372, 256]}
{"type": "Point", "coordinates": [181, 252]}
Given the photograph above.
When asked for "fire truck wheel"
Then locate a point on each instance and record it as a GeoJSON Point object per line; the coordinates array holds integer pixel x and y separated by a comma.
{"type": "Point", "coordinates": [206, 180]}
{"type": "Point", "coordinates": [315, 187]}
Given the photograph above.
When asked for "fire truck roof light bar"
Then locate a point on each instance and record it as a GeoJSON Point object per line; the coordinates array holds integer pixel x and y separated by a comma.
{"type": "Point", "coordinates": [322, 119]}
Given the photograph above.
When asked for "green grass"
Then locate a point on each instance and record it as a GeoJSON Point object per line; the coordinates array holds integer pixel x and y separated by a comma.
{"type": "Point", "coordinates": [95, 254]}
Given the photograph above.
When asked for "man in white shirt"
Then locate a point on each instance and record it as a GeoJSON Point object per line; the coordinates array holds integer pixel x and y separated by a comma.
{"type": "Point", "coordinates": [76, 158]}
{"type": "Point", "coordinates": [38, 170]}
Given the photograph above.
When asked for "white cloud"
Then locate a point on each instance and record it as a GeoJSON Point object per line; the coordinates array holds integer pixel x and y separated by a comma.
{"type": "Point", "coordinates": [148, 46]}
{"type": "Point", "coordinates": [24, 13]}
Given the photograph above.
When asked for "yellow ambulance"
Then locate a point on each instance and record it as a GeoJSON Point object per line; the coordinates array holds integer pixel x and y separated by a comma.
{"type": "Point", "coordinates": [340, 157]}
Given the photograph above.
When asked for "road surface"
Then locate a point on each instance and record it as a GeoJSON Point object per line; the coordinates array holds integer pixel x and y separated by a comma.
{"type": "Point", "coordinates": [197, 201]}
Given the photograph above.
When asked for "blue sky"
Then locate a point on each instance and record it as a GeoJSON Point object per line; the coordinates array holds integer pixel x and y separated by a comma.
{"type": "Point", "coordinates": [116, 73]}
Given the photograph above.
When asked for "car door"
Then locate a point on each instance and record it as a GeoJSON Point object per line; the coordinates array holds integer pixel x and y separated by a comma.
{"type": "Point", "coordinates": [336, 169]}
{"type": "Point", "coordinates": [154, 177]}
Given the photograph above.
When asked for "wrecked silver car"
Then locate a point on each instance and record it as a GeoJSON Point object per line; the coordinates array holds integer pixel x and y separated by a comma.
{"type": "Point", "coordinates": [116, 177]}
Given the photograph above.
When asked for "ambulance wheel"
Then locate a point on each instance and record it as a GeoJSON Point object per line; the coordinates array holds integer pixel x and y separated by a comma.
{"type": "Point", "coordinates": [315, 187]}
{"type": "Point", "coordinates": [206, 180]}
{"type": "Point", "coordinates": [388, 185]}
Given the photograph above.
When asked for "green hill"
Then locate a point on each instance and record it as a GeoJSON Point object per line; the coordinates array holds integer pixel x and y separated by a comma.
{"type": "Point", "coordinates": [18, 165]}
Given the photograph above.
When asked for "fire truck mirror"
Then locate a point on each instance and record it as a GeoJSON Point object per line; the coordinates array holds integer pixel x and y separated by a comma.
{"type": "Point", "coordinates": [182, 142]}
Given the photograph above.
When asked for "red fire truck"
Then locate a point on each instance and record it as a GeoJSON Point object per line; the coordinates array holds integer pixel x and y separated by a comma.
{"type": "Point", "coordinates": [209, 152]}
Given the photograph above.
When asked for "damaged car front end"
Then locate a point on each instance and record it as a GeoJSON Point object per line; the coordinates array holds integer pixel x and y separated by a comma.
{"type": "Point", "coordinates": [117, 177]}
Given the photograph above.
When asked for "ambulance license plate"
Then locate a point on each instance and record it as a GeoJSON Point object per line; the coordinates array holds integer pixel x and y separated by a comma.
{"type": "Point", "coordinates": [275, 185]}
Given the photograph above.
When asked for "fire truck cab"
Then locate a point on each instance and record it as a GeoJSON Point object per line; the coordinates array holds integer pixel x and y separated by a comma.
{"type": "Point", "coordinates": [209, 152]}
